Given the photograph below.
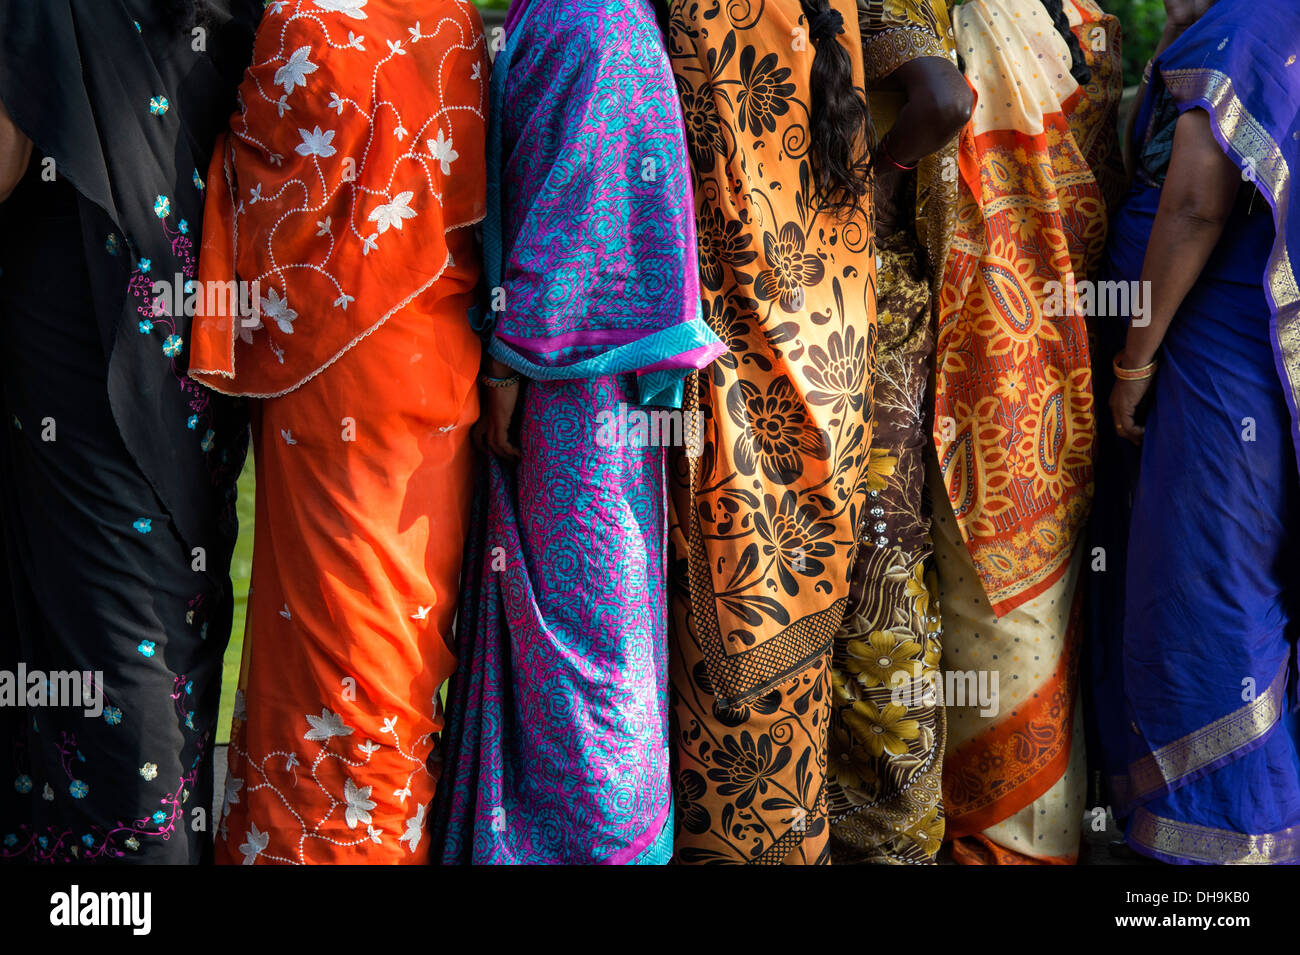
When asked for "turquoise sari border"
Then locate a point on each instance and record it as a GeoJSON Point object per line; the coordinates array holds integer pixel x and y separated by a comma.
{"type": "Point", "coordinates": [654, 348]}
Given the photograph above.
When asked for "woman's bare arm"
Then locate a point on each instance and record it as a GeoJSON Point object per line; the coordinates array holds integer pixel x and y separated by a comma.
{"type": "Point", "coordinates": [1195, 204]}
{"type": "Point", "coordinates": [15, 154]}
{"type": "Point", "coordinates": [938, 104]}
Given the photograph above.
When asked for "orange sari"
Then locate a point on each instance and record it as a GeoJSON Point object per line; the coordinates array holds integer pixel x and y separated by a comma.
{"type": "Point", "coordinates": [346, 189]}
{"type": "Point", "coordinates": [1014, 422]}
{"type": "Point", "coordinates": [764, 522]}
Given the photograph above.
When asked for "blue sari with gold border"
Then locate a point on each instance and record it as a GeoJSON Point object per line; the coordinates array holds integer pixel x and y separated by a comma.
{"type": "Point", "coordinates": [1196, 678]}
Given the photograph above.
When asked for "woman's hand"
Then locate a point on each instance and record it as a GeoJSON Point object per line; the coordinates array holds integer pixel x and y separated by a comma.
{"type": "Point", "coordinates": [1124, 400]}
{"type": "Point", "coordinates": [498, 413]}
{"type": "Point", "coordinates": [884, 196]}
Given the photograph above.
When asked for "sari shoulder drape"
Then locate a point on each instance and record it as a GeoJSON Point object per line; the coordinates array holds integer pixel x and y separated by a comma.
{"type": "Point", "coordinates": [345, 220]}
{"type": "Point", "coordinates": [768, 514]}
{"type": "Point", "coordinates": [1014, 405]}
{"type": "Point", "coordinates": [556, 748]}
{"type": "Point", "coordinates": [1014, 419]}
{"type": "Point", "coordinates": [590, 239]}
{"type": "Point", "coordinates": [117, 96]}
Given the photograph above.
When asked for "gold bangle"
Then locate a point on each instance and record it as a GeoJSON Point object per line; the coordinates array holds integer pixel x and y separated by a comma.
{"type": "Point", "coordinates": [492, 382]}
{"type": "Point", "coordinates": [1134, 374]}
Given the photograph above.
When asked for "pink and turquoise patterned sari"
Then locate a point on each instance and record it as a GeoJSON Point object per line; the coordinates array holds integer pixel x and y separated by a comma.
{"type": "Point", "coordinates": [556, 748]}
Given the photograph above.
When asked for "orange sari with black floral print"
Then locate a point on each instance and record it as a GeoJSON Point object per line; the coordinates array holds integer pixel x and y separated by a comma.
{"type": "Point", "coordinates": [764, 520]}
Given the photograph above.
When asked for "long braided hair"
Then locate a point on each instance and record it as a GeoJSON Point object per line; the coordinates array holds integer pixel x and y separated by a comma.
{"type": "Point", "coordinates": [840, 124]}
{"type": "Point", "coordinates": [1078, 65]}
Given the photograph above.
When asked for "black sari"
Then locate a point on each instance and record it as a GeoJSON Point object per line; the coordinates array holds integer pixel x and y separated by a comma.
{"type": "Point", "coordinates": [117, 472]}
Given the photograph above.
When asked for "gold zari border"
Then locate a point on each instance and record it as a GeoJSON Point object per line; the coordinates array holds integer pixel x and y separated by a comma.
{"type": "Point", "coordinates": [887, 50]}
{"type": "Point", "coordinates": [1182, 840]}
{"type": "Point", "coordinates": [1162, 768]}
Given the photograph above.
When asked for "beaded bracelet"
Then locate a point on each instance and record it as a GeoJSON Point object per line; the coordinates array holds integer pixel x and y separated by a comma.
{"type": "Point", "coordinates": [498, 382]}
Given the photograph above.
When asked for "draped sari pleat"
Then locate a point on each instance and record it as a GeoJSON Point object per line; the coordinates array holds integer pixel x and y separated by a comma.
{"type": "Point", "coordinates": [1014, 423]}
{"type": "Point", "coordinates": [764, 521]}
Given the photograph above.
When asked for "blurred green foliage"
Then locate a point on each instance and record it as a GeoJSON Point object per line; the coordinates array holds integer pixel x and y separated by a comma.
{"type": "Point", "coordinates": [241, 569]}
{"type": "Point", "coordinates": [1141, 22]}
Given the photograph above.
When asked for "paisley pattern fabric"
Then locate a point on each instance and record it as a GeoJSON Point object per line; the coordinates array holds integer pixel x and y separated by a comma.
{"type": "Point", "coordinates": [1014, 406]}
{"type": "Point", "coordinates": [334, 180]}
{"type": "Point", "coordinates": [594, 215]}
{"type": "Point", "coordinates": [1013, 773]}
{"type": "Point", "coordinates": [1094, 116]}
{"type": "Point", "coordinates": [117, 470]}
{"type": "Point", "coordinates": [763, 521]}
{"type": "Point", "coordinates": [1014, 426]}
{"type": "Point", "coordinates": [557, 747]}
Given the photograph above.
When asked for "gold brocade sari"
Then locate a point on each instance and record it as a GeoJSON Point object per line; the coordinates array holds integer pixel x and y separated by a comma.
{"type": "Point", "coordinates": [763, 523]}
{"type": "Point", "coordinates": [887, 725]}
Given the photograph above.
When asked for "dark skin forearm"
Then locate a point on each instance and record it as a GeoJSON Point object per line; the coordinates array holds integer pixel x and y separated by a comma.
{"type": "Point", "coordinates": [1195, 204]}
{"type": "Point", "coordinates": [494, 428]}
{"type": "Point", "coordinates": [938, 104]}
{"type": "Point", "coordinates": [15, 154]}
{"type": "Point", "coordinates": [496, 368]}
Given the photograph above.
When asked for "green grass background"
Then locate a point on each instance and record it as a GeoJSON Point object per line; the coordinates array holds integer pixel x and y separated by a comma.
{"type": "Point", "coordinates": [241, 568]}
